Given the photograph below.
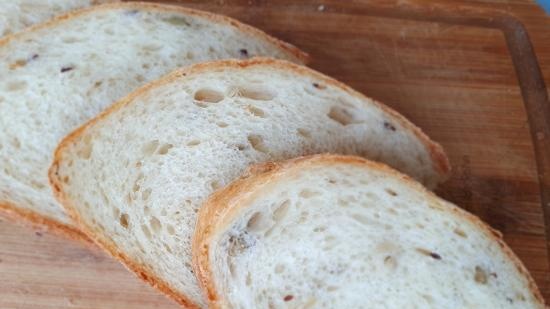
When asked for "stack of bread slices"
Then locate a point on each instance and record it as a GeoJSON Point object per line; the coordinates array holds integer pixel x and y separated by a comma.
{"type": "Point", "coordinates": [208, 159]}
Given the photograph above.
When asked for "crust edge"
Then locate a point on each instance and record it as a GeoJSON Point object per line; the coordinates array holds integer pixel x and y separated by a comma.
{"type": "Point", "coordinates": [110, 247]}
{"type": "Point", "coordinates": [225, 204]}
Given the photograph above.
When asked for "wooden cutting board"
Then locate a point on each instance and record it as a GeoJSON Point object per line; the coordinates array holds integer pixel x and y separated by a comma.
{"type": "Point", "coordinates": [464, 71]}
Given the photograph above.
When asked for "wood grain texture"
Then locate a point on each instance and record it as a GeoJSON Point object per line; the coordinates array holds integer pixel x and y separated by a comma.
{"type": "Point", "coordinates": [42, 270]}
{"type": "Point", "coordinates": [457, 82]}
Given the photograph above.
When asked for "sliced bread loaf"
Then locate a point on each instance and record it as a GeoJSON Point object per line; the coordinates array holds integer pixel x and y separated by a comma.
{"type": "Point", "coordinates": [60, 74]}
{"type": "Point", "coordinates": [18, 14]}
{"type": "Point", "coordinates": [343, 232]}
{"type": "Point", "coordinates": [136, 176]}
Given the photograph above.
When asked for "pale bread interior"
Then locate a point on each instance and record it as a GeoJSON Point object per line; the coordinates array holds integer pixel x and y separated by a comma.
{"type": "Point", "coordinates": [331, 233]}
{"type": "Point", "coordinates": [137, 176]}
{"type": "Point", "coordinates": [56, 77]}
{"type": "Point", "coordinates": [16, 15]}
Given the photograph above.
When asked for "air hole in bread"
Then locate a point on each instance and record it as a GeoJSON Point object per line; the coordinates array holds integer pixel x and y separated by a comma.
{"type": "Point", "coordinates": [104, 197]}
{"type": "Point", "coordinates": [222, 124]}
{"type": "Point", "coordinates": [129, 198]}
{"type": "Point", "coordinates": [319, 229]}
{"type": "Point", "coordinates": [16, 85]}
{"type": "Point", "coordinates": [215, 185]}
{"type": "Point", "coordinates": [256, 222]}
{"type": "Point", "coordinates": [155, 224]}
{"type": "Point", "coordinates": [177, 21]}
{"type": "Point", "coordinates": [279, 268]}
{"type": "Point", "coordinates": [85, 151]}
{"type": "Point", "coordinates": [16, 143]}
{"type": "Point", "coordinates": [170, 229]}
{"type": "Point", "coordinates": [116, 212]}
{"type": "Point", "coordinates": [232, 269]}
{"type": "Point", "coordinates": [288, 298]}
{"type": "Point", "coordinates": [304, 133]}
{"type": "Point", "coordinates": [193, 143]}
{"type": "Point", "coordinates": [428, 298]}
{"type": "Point", "coordinates": [39, 186]}
{"type": "Point", "coordinates": [18, 63]}
{"type": "Point", "coordinates": [146, 231]}
{"type": "Point", "coordinates": [460, 232]}
{"type": "Point", "coordinates": [342, 203]}
{"type": "Point", "coordinates": [139, 78]}
{"type": "Point", "coordinates": [146, 193]}
{"type": "Point", "coordinates": [390, 262]}
{"type": "Point", "coordinates": [306, 193]}
{"type": "Point", "coordinates": [281, 211]}
{"type": "Point", "coordinates": [362, 219]}
{"type": "Point", "coordinates": [256, 111]}
{"type": "Point", "coordinates": [164, 149]}
{"type": "Point", "coordinates": [257, 142]}
{"type": "Point", "coordinates": [124, 221]}
{"type": "Point", "coordinates": [167, 248]}
{"type": "Point", "coordinates": [257, 93]}
{"type": "Point", "coordinates": [136, 187]}
{"type": "Point", "coordinates": [248, 280]}
{"type": "Point", "coordinates": [303, 216]}
{"type": "Point", "coordinates": [341, 115]}
{"type": "Point", "coordinates": [149, 148]}
{"type": "Point", "coordinates": [140, 247]}
{"type": "Point", "coordinates": [70, 39]}
{"type": "Point", "coordinates": [519, 296]}
{"type": "Point", "coordinates": [101, 226]}
{"type": "Point", "coordinates": [208, 96]}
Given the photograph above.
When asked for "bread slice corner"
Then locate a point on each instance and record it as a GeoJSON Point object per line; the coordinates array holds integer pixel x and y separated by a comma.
{"type": "Point", "coordinates": [331, 231]}
{"type": "Point", "coordinates": [49, 90]}
{"type": "Point", "coordinates": [135, 176]}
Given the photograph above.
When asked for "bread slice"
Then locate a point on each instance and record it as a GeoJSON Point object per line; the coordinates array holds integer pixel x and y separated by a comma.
{"type": "Point", "coordinates": [136, 176]}
{"type": "Point", "coordinates": [56, 76]}
{"type": "Point", "coordinates": [18, 14]}
{"type": "Point", "coordinates": [342, 232]}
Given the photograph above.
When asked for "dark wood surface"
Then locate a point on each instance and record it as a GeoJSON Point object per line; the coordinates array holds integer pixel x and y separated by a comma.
{"type": "Point", "coordinates": [456, 80]}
